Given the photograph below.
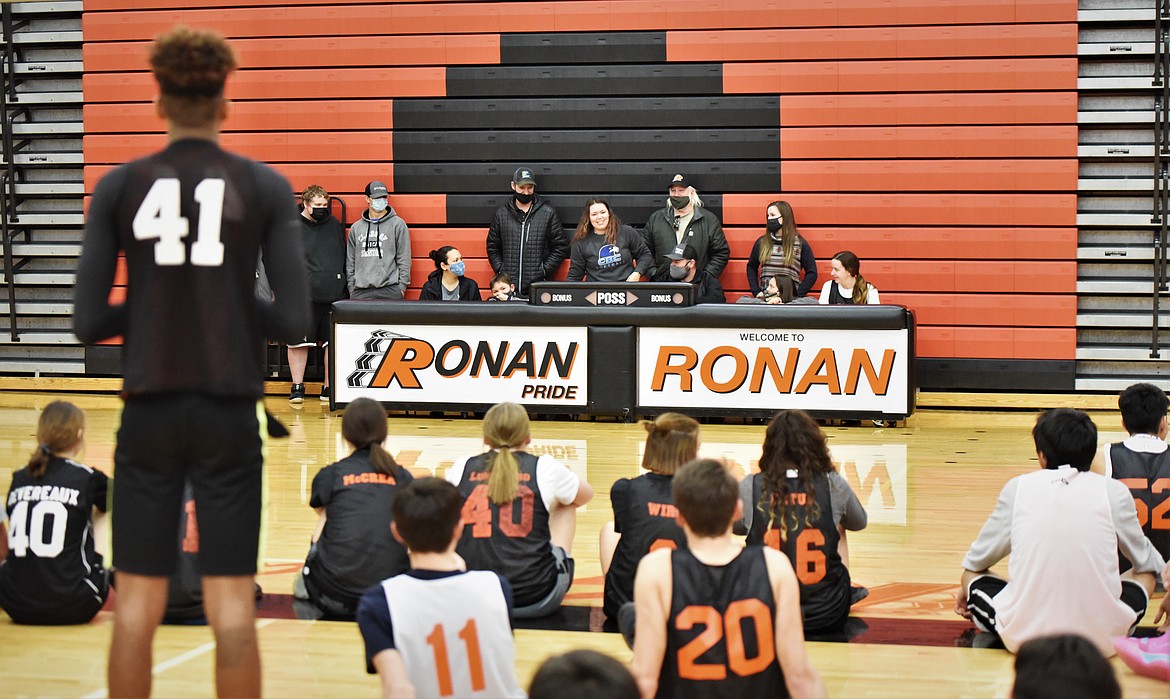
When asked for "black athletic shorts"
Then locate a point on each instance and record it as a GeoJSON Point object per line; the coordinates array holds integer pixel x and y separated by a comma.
{"type": "Point", "coordinates": [321, 328]}
{"type": "Point", "coordinates": [215, 442]}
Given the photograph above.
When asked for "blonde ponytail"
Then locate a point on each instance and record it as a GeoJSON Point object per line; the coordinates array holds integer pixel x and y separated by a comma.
{"type": "Point", "coordinates": [505, 426]}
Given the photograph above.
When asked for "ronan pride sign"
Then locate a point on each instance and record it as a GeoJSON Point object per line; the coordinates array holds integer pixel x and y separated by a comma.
{"type": "Point", "coordinates": [445, 364]}
{"type": "Point", "coordinates": [747, 369]}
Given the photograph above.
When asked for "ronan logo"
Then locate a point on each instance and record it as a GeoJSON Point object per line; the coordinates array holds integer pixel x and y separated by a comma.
{"type": "Point", "coordinates": [397, 361]}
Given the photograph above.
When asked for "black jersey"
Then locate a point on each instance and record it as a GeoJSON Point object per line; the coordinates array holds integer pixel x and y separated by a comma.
{"type": "Point", "coordinates": [812, 549]}
{"type": "Point", "coordinates": [643, 513]}
{"type": "Point", "coordinates": [185, 586]}
{"type": "Point", "coordinates": [720, 636]}
{"type": "Point", "coordinates": [512, 539]}
{"type": "Point", "coordinates": [52, 574]}
{"type": "Point", "coordinates": [1148, 478]}
{"type": "Point", "coordinates": [356, 548]}
{"type": "Point", "coordinates": [191, 221]}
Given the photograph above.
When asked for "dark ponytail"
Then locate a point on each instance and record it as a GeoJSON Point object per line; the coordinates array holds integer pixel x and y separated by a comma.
{"type": "Point", "coordinates": [363, 424]}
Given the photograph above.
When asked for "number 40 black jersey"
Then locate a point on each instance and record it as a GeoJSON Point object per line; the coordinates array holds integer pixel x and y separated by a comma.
{"type": "Point", "coordinates": [191, 221]}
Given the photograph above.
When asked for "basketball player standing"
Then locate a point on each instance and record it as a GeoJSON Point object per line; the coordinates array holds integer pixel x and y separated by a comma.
{"type": "Point", "coordinates": [191, 221]}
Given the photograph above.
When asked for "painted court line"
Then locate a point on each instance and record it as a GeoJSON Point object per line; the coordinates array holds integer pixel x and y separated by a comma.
{"type": "Point", "coordinates": [174, 662]}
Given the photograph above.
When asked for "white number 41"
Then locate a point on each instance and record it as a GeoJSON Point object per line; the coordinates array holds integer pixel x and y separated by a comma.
{"type": "Point", "coordinates": [158, 218]}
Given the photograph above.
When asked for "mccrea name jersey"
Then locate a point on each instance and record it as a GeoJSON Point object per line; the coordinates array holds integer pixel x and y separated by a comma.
{"type": "Point", "coordinates": [191, 220]}
{"type": "Point", "coordinates": [811, 548]}
{"type": "Point", "coordinates": [51, 564]}
{"type": "Point", "coordinates": [720, 635]}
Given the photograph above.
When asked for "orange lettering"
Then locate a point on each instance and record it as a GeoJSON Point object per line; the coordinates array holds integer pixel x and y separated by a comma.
{"type": "Point", "coordinates": [403, 358]}
{"type": "Point", "coordinates": [663, 367]}
{"type": "Point", "coordinates": [879, 381]}
{"type": "Point", "coordinates": [826, 362]}
{"type": "Point", "coordinates": [765, 360]}
{"type": "Point", "coordinates": [707, 369]}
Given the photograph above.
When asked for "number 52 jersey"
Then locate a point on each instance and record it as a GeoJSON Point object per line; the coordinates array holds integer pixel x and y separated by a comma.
{"type": "Point", "coordinates": [191, 220]}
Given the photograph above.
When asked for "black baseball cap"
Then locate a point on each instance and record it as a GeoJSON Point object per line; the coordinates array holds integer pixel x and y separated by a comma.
{"type": "Point", "coordinates": [524, 175]}
{"type": "Point", "coordinates": [376, 189]}
{"type": "Point", "coordinates": [679, 181]}
{"type": "Point", "coordinates": [683, 252]}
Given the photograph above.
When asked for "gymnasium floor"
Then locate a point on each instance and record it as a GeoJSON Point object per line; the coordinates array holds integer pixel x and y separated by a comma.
{"type": "Point", "coordinates": [928, 486]}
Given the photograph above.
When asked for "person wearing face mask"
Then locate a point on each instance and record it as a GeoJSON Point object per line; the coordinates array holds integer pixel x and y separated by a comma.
{"type": "Point", "coordinates": [684, 268]}
{"type": "Point", "coordinates": [378, 250]}
{"type": "Point", "coordinates": [684, 221]}
{"type": "Point", "coordinates": [324, 239]}
{"type": "Point", "coordinates": [782, 251]}
{"type": "Point", "coordinates": [606, 250]}
{"type": "Point", "coordinates": [447, 282]}
{"type": "Point", "coordinates": [526, 239]}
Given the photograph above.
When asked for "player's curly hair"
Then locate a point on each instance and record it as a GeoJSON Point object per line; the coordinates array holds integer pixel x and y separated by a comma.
{"type": "Point", "coordinates": [793, 441]}
{"type": "Point", "coordinates": [191, 67]}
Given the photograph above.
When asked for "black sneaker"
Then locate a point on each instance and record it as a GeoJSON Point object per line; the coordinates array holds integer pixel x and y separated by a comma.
{"type": "Point", "coordinates": [324, 394]}
{"type": "Point", "coordinates": [857, 593]}
{"type": "Point", "coordinates": [297, 395]}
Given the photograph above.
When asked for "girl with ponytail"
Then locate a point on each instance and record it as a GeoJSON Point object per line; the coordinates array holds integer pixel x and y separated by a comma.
{"type": "Point", "coordinates": [800, 505]}
{"type": "Point", "coordinates": [352, 547]}
{"type": "Point", "coordinates": [520, 513]}
{"type": "Point", "coordinates": [847, 285]}
{"type": "Point", "coordinates": [643, 507]}
{"type": "Point", "coordinates": [52, 574]}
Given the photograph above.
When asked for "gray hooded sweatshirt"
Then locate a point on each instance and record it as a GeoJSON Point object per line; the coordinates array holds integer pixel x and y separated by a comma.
{"type": "Point", "coordinates": [378, 253]}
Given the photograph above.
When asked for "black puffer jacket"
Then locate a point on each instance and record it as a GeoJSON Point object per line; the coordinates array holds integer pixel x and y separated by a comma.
{"type": "Point", "coordinates": [527, 246]}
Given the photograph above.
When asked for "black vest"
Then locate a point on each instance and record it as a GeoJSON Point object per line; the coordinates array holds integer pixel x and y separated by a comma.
{"type": "Point", "coordinates": [643, 513]}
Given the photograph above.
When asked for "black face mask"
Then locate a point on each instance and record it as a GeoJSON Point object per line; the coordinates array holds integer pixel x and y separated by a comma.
{"type": "Point", "coordinates": [524, 198]}
{"type": "Point", "coordinates": [680, 202]}
{"type": "Point", "coordinates": [774, 225]}
{"type": "Point", "coordinates": [320, 213]}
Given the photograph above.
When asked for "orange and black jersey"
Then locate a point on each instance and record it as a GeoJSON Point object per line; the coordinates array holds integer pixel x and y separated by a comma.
{"type": "Point", "coordinates": [643, 513]}
{"type": "Point", "coordinates": [720, 636]}
{"type": "Point", "coordinates": [811, 548]}
{"type": "Point", "coordinates": [512, 539]}
{"type": "Point", "coordinates": [356, 548]}
{"type": "Point", "coordinates": [52, 573]}
{"type": "Point", "coordinates": [1147, 475]}
{"type": "Point", "coordinates": [191, 221]}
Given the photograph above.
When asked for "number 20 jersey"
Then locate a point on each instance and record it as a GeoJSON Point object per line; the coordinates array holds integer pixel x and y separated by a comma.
{"type": "Point", "coordinates": [720, 635]}
{"type": "Point", "coordinates": [191, 220]}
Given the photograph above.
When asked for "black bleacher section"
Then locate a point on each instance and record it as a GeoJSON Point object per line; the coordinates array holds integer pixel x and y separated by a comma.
{"type": "Point", "coordinates": [620, 141]}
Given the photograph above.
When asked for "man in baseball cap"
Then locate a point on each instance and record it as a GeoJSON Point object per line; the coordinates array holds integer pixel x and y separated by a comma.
{"type": "Point", "coordinates": [683, 268]}
{"type": "Point", "coordinates": [377, 249]}
{"type": "Point", "coordinates": [526, 239]}
{"type": "Point", "coordinates": [684, 221]}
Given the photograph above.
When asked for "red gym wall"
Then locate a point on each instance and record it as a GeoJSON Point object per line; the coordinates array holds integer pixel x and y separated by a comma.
{"type": "Point", "coordinates": [937, 140]}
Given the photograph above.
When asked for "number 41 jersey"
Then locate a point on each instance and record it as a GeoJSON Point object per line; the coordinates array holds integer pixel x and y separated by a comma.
{"type": "Point", "coordinates": [191, 220]}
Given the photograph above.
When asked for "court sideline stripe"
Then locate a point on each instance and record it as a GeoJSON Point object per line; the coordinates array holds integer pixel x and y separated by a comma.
{"type": "Point", "coordinates": [174, 662]}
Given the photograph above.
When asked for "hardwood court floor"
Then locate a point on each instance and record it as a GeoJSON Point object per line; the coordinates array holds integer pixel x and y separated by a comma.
{"type": "Point", "coordinates": [927, 485]}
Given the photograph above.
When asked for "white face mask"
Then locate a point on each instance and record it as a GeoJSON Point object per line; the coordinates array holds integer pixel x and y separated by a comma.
{"type": "Point", "coordinates": [379, 204]}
